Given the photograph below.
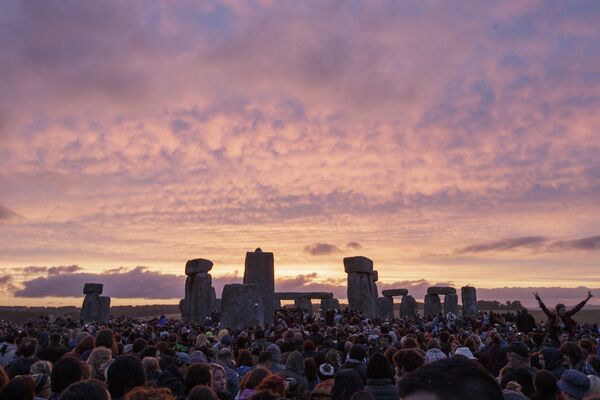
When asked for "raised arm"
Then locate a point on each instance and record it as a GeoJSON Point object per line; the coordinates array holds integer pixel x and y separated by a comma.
{"type": "Point", "coordinates": [580, 305]}
{"type": "Point", "coordinates": [542, 305]}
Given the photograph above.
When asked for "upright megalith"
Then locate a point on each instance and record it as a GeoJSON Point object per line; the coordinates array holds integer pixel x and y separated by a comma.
{"type": "Point", "coordinates": [386, 307]}
{"type": "Point", "coordinates": [303, 304]}
{"type": "Point", "coordinates": [408, 307]}
{"type": "Point", "coordinates": [259, 269]}
{"type": "Point", "coordinates": [362, 290]}
{"type": "Point", "coordinates": [433, 306]}
{"type": "Point", "coordinates": [200, 297]}
{"type": "Point", "coordinates": [241, 306]}
{"type": "Point", "coordinates": [330, 304]}
{"type": "Point", "coordinates": [469, 301]}
{"type": "Point", "coordinates": [451, 304]}
{"type": "Point", "coordinates": [95, 308]}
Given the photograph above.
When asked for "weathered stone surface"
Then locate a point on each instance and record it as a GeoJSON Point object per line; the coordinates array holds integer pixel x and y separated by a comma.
{"type": "Point", "coordinates": [386, 307]}
{"type": "Point", "coordinates": [394, 292]}
{"type": "Point", "coordinates": [362, 294]}
{"type": "Point", "coordinates": [259, 269]}
{"type": "Point", "coordinates": [441, 290]}
{"type": "Point", "coordinates": [469, 301]}
{"type": "Point", "coordinates": [408, 307]}
{"type": "Point", "coordinates": [277, 304]}
{"type": "Point", "coordinates": [451, 304]}
{"type": "Point", "coordinates": [433, 306]}
{"type": "Point", "coordinates": [241, 306]}
{"type": "Point", "coordinates": [218, 306]}
{"type": "Point", "coordinates": [330, 304]}
{"type": "Point", "coordinates": [90, 288]}
{"type": "Point", "coordinates": [303, 304]}
{"type": "Point", "coordinates": [375, 276]}
{"type": "Point", "coordinates": [95, 308]}
{"type": "Point", "coordinates": [303, 295]}
{"type": "Point", "coordinates": [199, 300]}
{"type": "Point", "coordinates": [198, 265]}
{"type": "Point", "coordinates": [358, 264]}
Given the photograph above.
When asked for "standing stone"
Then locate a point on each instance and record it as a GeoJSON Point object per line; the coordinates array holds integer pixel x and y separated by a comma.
{"type": "Point", "coordinates": [408, 307]}
{"type": "Point", "coordinates": [386, 307]}
{"type": "Point", "coordinates": [200, 297]}
{"type": "Point", "coordinates": [469, 301]}
{"type": "Point", "coordinates": [260, 269]}
{"type": "Point", "coordinates": [451, 304]}
{"type": "Point", "coordinates": [330, 304]}
{"type": "Point", "coordinates": [433, 306]}
{"type": "Point", "coordinates": [361, 289]}
{"type": "Point", "coordinates": [277, 304]}
{"type": "Point", "coordinates": [241, 306]}
{"type": "Point", "coordinates": [303, 304]}
{"type": "Point", "coordinates": [95, 308]}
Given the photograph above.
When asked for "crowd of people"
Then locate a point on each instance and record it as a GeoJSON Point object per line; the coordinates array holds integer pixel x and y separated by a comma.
{"type": "Point", "coordinates": [339, 355]}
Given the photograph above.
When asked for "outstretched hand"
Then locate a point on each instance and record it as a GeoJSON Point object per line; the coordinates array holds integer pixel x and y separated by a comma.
{"type": "Point", "coordinates": [590, 295]}
{"type": "Point", "coordinates": [537, 296]}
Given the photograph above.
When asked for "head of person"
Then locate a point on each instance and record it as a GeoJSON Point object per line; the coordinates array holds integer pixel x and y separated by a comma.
{"type": "Point", "coordinates": [41, 367]}
{"type": "Point", "coordinates": [253, 378]}
{"type": "Point", "coordinates": [151, 366]}
{"type": "Point", "coordinates": [453, 378]}
{"type": "Point", "coordinates": [106, 337]}
{"type": "Point", "coordinates": [326, 371]}
{"type": "Point", "coordinates": [27, 348]}
{"type": "Point", "coordinates": [66, 371]}
{"type": "Point", "coordinates": [379, 367]}
{"type": "Point", "coordinates": [149, 393]}
{"type": "Point", "coordinates": [265, 359]}
{"type": "Point", "coordinates": [55, 339]}
{"type": "Point", "coordinates": [560, 309]}
{"type": "Point", "coordinates": [357, 352]}
{"type": "Point", "coordinates": [407, 360]}
{"type": "Point", "coordinates": [219, 378]}
{"type": "Point", "coordinates": [522, 377]}
{"type": "Point", "coordinates": [225, 355]}
{"type": "Point", "coordinates": [245, 359]}
{"type": "Point", "coordinates": [310, 369]}
{"type": "Point", "coordinates": [334, 358]}
{"type": "Point", "coordinates": [197, 374]}
{"type": "Point", "coordinates": [97, 359]}
{"type": "Point", "coordinates": [274, 384]}
{"type": "Point", "coordinates": [574, 384]}
{"type": "Point", "coordinates": [123, 374]}
{"type": "Point", "coordinates": [202, 393]}
{"type": "Point", "coordinates": [21, 387]}
{"type": "Point", "coordinates": [518, 355]}
{"type": "Point", "coordinates": [362, 395]}
{"type": "Point", "coordinates": [90, 389]}
{"type": "Point", "coordinates": [544, 383]}
{"type": "Point", "coordinates": [571, 352]}
{"type": "Point", "coordinates": [263, 395]}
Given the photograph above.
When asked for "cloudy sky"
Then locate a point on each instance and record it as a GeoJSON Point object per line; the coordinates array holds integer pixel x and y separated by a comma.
{"type": "Point", "coordinates": [450, 142]}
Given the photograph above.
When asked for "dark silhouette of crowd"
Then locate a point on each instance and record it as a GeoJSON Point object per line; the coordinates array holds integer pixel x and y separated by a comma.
{"type": "Point", "coordinates": [339, 355]}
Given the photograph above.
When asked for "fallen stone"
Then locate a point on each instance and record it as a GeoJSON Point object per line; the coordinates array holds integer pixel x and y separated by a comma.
{"type": "Point", "coordinates": [358, 264]}
{"type": "Point", "coordinates": [441, 290]}
{"type": "Point", "coordinates": [394, 292]}
{"type": "Point", "coordinates": [198, 265]}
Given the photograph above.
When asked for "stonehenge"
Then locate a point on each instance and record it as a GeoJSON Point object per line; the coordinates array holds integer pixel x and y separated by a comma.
{"type": "Point", "coordinates": [469, 301]}
{"type": "Point", "coordinates": [95, 308]}
{"type": "Point", "coordinates": [241, 306]}
{"type": "Point", "coordinates": [408, 307]}
{"type": "Point", "coordinates": [451, 304]}
{"type": "Point", "coordinates": [433, 306]}
{"type": "Point", "coordinates": [386, 303]}
{"type": "Point", "coordinates": [259, 268]}
{"type": "Point", "coordinates": [362, 290]}
{"type": "Point", "coordinates": [200, 297]}
{"type": "Point", "coordinates": [330, 304]}
{"type": "Point", "coordinates": [302, 300]}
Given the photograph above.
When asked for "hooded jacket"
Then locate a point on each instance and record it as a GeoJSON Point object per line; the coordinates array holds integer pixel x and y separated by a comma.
{"type": "Point", "coordinates": [294, 368]}
{"type": "Point", "coordinates": [554, 361]}
{"type": "Point", "coordinates": [275, 351]}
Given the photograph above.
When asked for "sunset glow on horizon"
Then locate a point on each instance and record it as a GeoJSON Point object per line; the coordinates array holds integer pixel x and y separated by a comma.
{"type": "Point", "coordinates": [450, 143]}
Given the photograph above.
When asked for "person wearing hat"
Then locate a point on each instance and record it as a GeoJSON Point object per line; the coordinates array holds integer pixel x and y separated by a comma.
{"type": "Point", "coordinates": [573, 384]}
{"type": "Point", "coordinates": [465, 352]}
{"type": "Point", "coordinates": [323, 389]}
{"type": "Point", "coordinates": [518, 357]}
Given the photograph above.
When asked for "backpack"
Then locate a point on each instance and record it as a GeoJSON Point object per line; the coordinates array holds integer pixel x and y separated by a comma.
{"type": "Point", "coordinates": [347, 382]}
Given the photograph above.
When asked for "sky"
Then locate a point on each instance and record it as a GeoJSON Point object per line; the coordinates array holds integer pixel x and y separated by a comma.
{"type": "Point", "coordinates": [450, 142]}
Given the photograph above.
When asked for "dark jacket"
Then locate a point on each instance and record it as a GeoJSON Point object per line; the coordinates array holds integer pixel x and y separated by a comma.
{"type": "Point", "coordinates": [554, 329]}
{"type": "Point", "coordinates": [294, 368]}
{"type": "Point", "coordinates": [349, 379]}
{"type": "Point", "coordinates": [382, 389]}
{"type": "Point", "coordinates": [553, 361]}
